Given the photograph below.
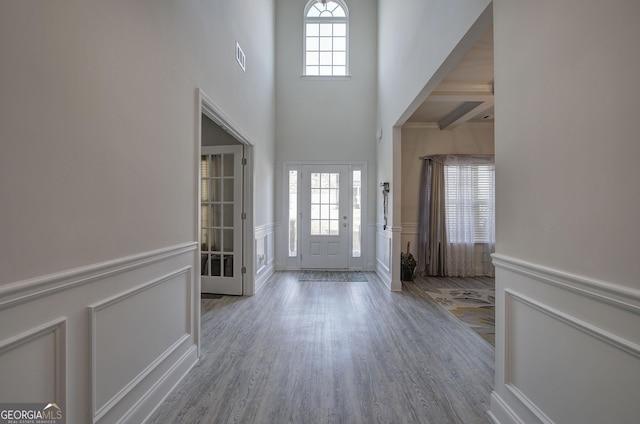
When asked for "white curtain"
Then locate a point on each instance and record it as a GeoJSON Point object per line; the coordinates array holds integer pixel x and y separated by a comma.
{"type": "Point", "coordinates": [470, 214]}
{"type": "Point", "coordinates": [489, 246]}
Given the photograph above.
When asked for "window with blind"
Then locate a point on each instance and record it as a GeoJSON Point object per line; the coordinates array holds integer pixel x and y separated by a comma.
{"type": "Point", "coordinates": [469, 203]}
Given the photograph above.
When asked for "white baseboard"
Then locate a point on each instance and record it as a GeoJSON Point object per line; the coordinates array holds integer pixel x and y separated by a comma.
{"type": "Point", "coordinates": [147, 405]}
{"type": "Point", "coordinates": [264, 275]}
{"type": "Point", "coordinates": [500, 413]}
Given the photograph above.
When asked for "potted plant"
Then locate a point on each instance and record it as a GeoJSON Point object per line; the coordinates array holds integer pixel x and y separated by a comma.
{"type": "Point", "coordinates": [407, 264]}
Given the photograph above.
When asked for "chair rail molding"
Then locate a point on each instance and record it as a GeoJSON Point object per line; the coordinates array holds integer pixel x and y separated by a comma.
{"type": "Point", "coordinates": [31, 289]}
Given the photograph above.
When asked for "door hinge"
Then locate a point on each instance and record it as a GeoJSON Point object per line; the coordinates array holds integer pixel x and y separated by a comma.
{"type": "Point", "coordinates": [244, 161]}
{"type": "Point", "coordinates": [243, 270]}
{"type": "Point", "coordinates": [244, 215]}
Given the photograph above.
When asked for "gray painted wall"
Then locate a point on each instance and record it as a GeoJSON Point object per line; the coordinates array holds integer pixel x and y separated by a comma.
{"type": "Point", "coordinates": [99, 295]}
{"type": "Point", "coordinates": [567, 199]}
{"type": "Point", "coordinates": [114, 88]}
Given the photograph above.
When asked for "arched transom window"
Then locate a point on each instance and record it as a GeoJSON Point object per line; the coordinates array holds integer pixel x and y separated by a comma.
{"type": "Point", "coordinates": [325, 38]}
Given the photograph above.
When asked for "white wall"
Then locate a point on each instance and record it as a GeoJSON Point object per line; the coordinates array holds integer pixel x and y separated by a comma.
{"type": "Point", "coordinates": [99, 117]}
{"type": "Point", "coordinates": [325, 119]}
{"type": "Point", "coordinates": [567, 342]}
{"type": "Point", "coordinates": [419, 42]}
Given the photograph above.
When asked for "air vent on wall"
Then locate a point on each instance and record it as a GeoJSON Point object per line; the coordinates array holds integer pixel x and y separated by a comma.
{"type": "Point", "coordinates": [240, 57]}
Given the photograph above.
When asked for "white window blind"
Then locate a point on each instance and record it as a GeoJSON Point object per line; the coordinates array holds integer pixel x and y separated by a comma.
{"type": "Point", "coordinates": [469, 203]}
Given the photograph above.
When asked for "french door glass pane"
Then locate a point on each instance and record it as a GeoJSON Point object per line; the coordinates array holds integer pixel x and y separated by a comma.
{"type": "Point", "coordinates": [228, 266]}
{"type": "Point", "coordinates": [228, 190]}
{"type": "Point", "coordinates": [204, 216]}
{"type": "Point", "coordinates": [227, 215]}
{"type": "Point", "coordinates": [204, 189]}
{"type": "Point", "coordinates": [216, 166]}
{"type": "Point", "coordinates": [227, 238]}
{"type": "Point", "coordinates": [204, 238]}
{"type": "Point", "coordinates": [228, 165]}
{"type": "Point", "coordinates": [215, 265]}
{"type": "Point", "coordinates": [217, 213]}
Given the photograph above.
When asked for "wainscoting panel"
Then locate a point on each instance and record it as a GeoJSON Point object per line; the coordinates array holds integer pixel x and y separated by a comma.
{"type": "Point", "coordinates": [153, 317]}
{"type": "Point", "coordinates": [32, 364]}
{"type": "Point", "coordinates": [388, 240]}
{"type": "Point", "coordinates": [264, 260]}
{"type": "Point", "coordinates": [108, 340]}
{"type": "Point", "coordinates": [383, 251]}
{"type": "Point", "coordinates": [567, 348]}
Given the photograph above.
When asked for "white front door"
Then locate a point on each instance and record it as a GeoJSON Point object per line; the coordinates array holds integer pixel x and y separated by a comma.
{"type": "Point", "coordinates": [325, 216]}
{"type": "Point", "coordinates": [221, 219]}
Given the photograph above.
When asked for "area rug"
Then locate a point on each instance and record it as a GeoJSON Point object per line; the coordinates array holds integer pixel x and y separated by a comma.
{"type": "Point", "coordinates": [333, 276]}
{"type": "Point", "coordinates": [474, 307]}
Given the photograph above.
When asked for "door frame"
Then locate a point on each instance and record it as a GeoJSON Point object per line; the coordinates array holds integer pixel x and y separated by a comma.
{"type": "Point", "coordinates": [207, 107]}
{"type": "Point", "coordinates": [294, 263]}
{"type": "Point", "coordinates": [224, 284]}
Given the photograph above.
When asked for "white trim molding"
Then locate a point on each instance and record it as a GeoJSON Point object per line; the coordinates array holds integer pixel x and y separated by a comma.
{"type": "Point", "coordinates": [58, 352]}
{"type": "Point", "coordinates": [410, 228]}
{"type": "Point", "coordinates": [580, 325]}
{"type": "Point", "coordinates": [616, 295]}
{"type": "Point", "coordinates": [206, 106]}
{"type": "Point", "coordinates": [264, 252]}
{"type": "Point", "coordinates": [32, 289]}
{"type": "Point", "coordinates": [182, 276]}
{"type": "Point", "coordinates": [143, 307]}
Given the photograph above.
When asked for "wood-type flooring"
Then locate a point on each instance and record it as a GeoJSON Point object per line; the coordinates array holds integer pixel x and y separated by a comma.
{"type": "Point", "coordinates": [325, 352]}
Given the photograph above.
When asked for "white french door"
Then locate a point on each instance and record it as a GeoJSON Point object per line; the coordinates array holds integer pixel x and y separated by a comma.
{"type": "Point", "coordinates": [324, 216]}
{"type": "Point", "coordinates": [221, 197]}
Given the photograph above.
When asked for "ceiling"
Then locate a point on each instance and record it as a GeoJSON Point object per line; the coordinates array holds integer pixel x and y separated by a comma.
{"type": "Point", "coordinates": [465, 94]}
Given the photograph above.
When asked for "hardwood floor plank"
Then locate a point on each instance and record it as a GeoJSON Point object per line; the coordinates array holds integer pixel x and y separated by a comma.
{"type": "Point", "coordinates": [324, 352]}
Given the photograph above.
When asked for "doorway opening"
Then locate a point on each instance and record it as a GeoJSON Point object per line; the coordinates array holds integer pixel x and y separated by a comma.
{"type": "Point", "coordinates": [225, 205]}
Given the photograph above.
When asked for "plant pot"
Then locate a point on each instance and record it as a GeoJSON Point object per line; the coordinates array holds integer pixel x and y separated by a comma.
{"type": "Point", "coordinates": [407, 273]}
